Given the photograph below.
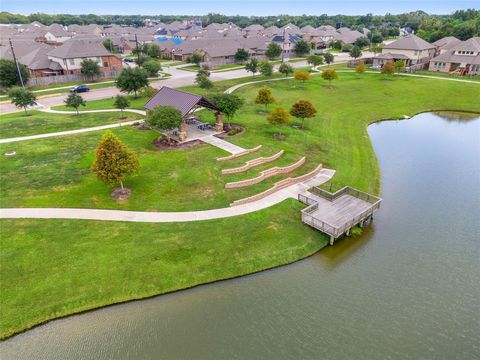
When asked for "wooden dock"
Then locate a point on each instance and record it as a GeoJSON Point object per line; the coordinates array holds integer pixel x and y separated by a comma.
{"type": "Point", "coordinates": [336, 213]}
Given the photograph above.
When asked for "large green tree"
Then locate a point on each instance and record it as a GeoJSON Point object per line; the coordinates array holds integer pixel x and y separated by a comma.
{"type": "Point", "coordinates": [328, 58]}
{"type": "Point", "coordinates": [315, 60]}
{"type": "Point", "coordinates": [273, 50]}
{"type": "Point", "coordinates": [9, 73]}
{"type": "Point", "coordinates": [355, 52]}
{"type": "Point", "coordinates": [21, 98]}
{"type": "Point", "coordinates": [241, 55]}
{"type": "Point", "coordinates": [302, 48]}
{"type": "Point", "coordinates": [114, 161]}
{"type": "Point", "coordinates": [108, 44]}
{"type": "Point", "coordinates": [196, 58]}
{"type": "Point", "coordinates": [165, 118]}
{"type": "Point", "coordinates": [266, 68]}
{"type": "Point", "coordinates": [132, 80]}
{"type": "Point", "coordinates": [152, 67]}
{"type": "Point", "coordinates": [229, 104]}
{"type": "Point", "coordinates": [154, 51]}
{"type": "Point", "coordinates": [89, 68]}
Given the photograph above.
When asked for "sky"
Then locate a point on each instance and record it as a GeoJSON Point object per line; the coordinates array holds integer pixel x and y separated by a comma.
{"type": "Point", "coordinates": [234, 7]}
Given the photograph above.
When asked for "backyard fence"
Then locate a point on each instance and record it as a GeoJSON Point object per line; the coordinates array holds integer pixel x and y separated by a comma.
{"type": "Point", "coordinates": [59, 79]}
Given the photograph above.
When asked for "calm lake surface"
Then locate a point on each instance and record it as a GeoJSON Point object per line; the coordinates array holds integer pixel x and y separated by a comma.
{"type": "Point", "coordinates": [408, 288]}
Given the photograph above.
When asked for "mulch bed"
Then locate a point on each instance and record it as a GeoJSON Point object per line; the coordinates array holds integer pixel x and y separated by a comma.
{"type": "Point", "coordinates": [229, 128]}
{"type": "Point", "coordinates": [164, 144]}
{"type": "Point", "coordinates": [120, 194]}
{"type": "Point", "coordinates": [141, 127]}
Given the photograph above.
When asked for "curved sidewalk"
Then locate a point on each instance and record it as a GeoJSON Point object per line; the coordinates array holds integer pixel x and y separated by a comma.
{"type": "Point", "coordinates": [76, 131]}
{"type": "Point", "coordinates": [161, 217]}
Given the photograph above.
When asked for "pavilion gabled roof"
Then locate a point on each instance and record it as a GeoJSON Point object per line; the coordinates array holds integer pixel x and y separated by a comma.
{"type": "Point", "coordinates": [181, 100]}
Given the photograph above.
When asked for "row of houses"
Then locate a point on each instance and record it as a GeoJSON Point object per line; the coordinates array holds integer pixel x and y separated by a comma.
{"type": "Point", "coordinates": [447, 55]}
{"type": "Point", "coordinates": [36, 44]}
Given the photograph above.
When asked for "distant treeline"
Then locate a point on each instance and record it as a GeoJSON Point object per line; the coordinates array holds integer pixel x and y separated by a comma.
{"type": "Point", "coordinates": [462, 24]}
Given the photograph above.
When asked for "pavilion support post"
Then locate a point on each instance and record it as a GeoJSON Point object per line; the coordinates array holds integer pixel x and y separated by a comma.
{"type": "Point", "coordinates": [218, 122]}
{"type": "Point", "coordinates": [332, 239]}
{"type": "Point", "coordinates": [182, 133]}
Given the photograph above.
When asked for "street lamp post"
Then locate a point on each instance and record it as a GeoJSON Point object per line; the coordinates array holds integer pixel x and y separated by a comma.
{"type": "Point", "coordinates": [283, 42]}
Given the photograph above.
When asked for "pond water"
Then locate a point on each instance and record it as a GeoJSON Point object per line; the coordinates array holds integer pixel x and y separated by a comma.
{"type": "Point", "coordinates": [407, 288]}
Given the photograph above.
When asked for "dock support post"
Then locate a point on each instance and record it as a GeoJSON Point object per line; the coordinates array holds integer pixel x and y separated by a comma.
{"type": "Point", "coordinates": [332, 239]}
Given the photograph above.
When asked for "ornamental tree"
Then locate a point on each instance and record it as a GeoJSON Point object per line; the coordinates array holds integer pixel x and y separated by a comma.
{"type": "Point", "coordinates": [302, 48]}
{"type": "Point", "coordinates": [132, 79]}
{"type": "Point", "coordinates": [315, 60]}
{"type": "Point", "coordinates": [388, 68]}
{"type": "Point", "coordinates": [329, 75]}
{"type": "Point", "coordinates": [279, 117]}
{"type": "Point", "coordinates": [75, 101]}
{"type": "Point", "coordinates": [264, 96]}
{"type": "Point", "coordinates": [114, 161]}
{"type": "Point", "coordinates": [9, 73]}
{"type": "Point", "coordinates": [229, 104]}
{"type": "Point", "coordinates": [89, 68]}
{"type": "Point", "coordinates": [273, 50]}
{"type": "Point", "coordinates": [286, 69]}
{"type": "Point", "coordinates": [21, 97]}
{"type": "Point", "coordinates": [302, 76]}
{"type": "Point", "coordinates": [266, 68]}
{"type": "Point", "coordinates": [328, 58]}
{"type": "Point", "coordinates": [241, 55]}
{"type": "Point", "coordinates": [165, 117]}
{"type": "Point", "coordinates": [252, 66]}
{"type": "Point", "coordinates": [303, 109]}
{"type": "Point", "coordinates": [360, 68]}
{"type": "Point", "coordinates": [121, 102]}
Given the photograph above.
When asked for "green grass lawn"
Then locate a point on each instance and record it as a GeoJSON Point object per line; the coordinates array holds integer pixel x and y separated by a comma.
{"type": "Point", "coordinates": [50, 268]}
{"type": "Point", "coordinates": [37, 122]}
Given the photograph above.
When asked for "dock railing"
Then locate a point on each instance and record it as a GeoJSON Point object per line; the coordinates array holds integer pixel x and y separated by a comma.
{"type": "Point", "coordinates": [336, 231]}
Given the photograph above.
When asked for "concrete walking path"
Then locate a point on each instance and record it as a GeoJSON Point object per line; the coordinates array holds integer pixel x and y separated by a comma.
{"type": "Point", "coordinates": [222, 144]}
{"type": "Point", "coordinates": [76, 131]}
{"type": "Point", "coordinates": [165, 217]}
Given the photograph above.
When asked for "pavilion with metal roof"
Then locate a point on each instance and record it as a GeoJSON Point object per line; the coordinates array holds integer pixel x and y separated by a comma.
{"type": "Point", "coordinates": [186, 103]}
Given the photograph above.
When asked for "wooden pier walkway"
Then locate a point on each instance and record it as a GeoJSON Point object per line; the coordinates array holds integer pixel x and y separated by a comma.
{"type": "Point", "coordinates": [336, 213]}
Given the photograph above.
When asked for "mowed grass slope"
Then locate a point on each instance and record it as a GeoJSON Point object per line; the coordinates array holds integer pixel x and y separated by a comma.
{"type": "Point", "coordinates": [52, 268]}
{"type": "Point", "coordinates": [190, 179]}
{"type": "Point", "coordinates": [37, 122]}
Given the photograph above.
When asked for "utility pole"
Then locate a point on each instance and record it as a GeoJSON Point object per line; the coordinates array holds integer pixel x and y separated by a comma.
{"type": "Point", "coordinates": [16, 63]}
{"type": "Point", "coordinates": [138, 52]}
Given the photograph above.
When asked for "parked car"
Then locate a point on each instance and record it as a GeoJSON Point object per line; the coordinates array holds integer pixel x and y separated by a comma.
{"type": "Point", "coordinates": [128, 60]}
{"type": "Point", "coordinates": [80, 89]}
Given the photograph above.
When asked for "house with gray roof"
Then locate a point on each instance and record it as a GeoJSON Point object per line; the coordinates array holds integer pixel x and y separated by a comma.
{"type": "Point", "coordinates": [415, 51]}
{"type": "Point", "coordinates": [463, 58]}
{"type": "Point", "coordinates": [70, 55]}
